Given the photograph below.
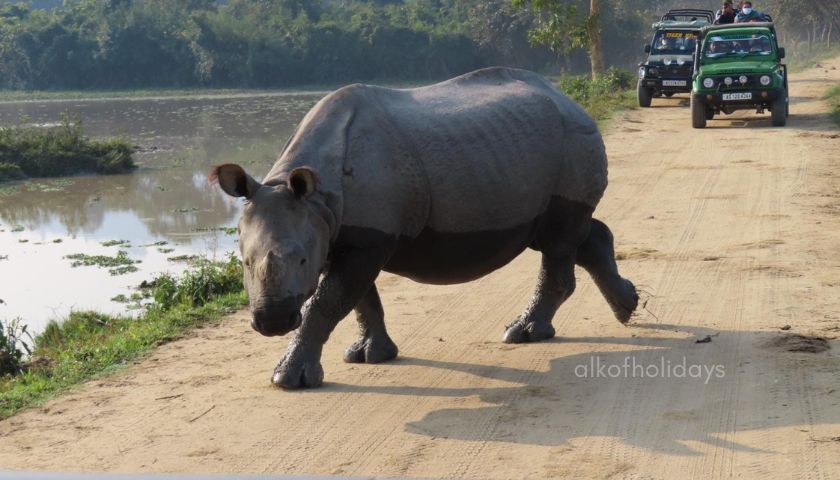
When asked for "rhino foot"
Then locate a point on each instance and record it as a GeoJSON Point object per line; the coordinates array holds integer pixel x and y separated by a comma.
{"type": "Point", "coordinates": [371, 350]}
{"type": "Point", "coordinates": [298, 371]}
{"type": "Point", "coordinates": [527, 332]}
{"type": "Point", "coordinates": [622, 298]}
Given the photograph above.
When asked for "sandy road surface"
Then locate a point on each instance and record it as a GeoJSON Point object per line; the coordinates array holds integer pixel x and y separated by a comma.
{"type": "Point", "coordinates": [734, 230]}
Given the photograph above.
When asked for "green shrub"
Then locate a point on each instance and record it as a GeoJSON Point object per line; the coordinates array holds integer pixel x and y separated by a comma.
{"type": "Point", "coordinates": [13, 347]}
{"type": "Point", "coordinates": [10, 171]}
{"type": "Point", "coordinates": [602, 96]}
{"type": "Point", "coordinates": [200, 283]}
{"type": "Point", "coordinates": [60, 150]}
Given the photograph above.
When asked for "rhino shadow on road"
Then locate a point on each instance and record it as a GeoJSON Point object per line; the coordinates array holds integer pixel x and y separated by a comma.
{"type": "Point", "coordinates": [761, 388]}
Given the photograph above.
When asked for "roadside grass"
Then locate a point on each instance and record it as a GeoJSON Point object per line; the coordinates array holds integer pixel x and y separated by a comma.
{"type": "Point", "coordinates": [833, 99]}
{"type": "Point", "coordinates": [89, 344]}
{"type": "Point", "coordinates": [601, 98]}
{"type": "Point", "coordinates": [63, 149]}
{"type": "Point", "coordinates": [800, 58]}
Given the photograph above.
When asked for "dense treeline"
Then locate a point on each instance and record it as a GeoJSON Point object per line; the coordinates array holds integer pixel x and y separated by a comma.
{"type": "Point", "coordinates": [251, 43]}
{"type": "Point", "coordinates": [107, 44]}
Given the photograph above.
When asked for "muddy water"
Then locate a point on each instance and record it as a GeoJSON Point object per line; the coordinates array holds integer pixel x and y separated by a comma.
{"type": "Point", "coordinates": [165, 204]}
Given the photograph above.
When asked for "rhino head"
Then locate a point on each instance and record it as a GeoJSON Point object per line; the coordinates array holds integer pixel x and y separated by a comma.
{"type": "Point", "coordinates": [283, 239]}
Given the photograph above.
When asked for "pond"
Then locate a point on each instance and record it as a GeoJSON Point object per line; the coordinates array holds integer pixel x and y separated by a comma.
{"type": "Point", "coordinates": [164, 211]}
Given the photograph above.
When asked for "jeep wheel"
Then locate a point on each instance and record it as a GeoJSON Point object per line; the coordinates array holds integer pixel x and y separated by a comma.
{"type": "Point", "coordinates": [644, 95]}
{"type": "Point", "coordinates": [778, 112]}
{"type": "Point", "coordinates": [698, 113]}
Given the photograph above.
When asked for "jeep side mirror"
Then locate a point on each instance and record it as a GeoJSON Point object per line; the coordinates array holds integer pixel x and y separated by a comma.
{"type": "Point", "coordinates": [781, 53]}
{"type": "Point", "coordinates": [647, 48]}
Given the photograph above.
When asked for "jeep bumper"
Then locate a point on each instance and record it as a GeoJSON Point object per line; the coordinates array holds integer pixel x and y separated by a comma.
{"type": "Point", "coordinates": [675, 85]}
{"type": "Point", "coordinates": [737, 98]}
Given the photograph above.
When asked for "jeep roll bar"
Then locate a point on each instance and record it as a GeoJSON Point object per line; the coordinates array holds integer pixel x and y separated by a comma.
{"type": "Point", "coordinates": [687, 14]}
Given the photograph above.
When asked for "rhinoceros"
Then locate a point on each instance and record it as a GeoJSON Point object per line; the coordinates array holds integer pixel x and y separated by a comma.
{"type": "Point", "coordinates": [441, 184]}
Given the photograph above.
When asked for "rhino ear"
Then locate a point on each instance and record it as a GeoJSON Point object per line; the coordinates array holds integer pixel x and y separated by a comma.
{"type": "Point", "coordinates": [234, 181]}
{"type": "Point", "coordinates": [303, 181]}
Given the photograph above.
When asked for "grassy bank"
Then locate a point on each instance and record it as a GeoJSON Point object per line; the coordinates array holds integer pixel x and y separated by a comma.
{"type": "Point", "coordinates": [611, 92]}
{"type": "Point", "coordinates": [63, 149]}
{"type": "Point", "coordinates": [10, 96]}
{"type": "Point", "coordinates": [90, 344]}
{"type": "Point", "coordinates": [833, 99]}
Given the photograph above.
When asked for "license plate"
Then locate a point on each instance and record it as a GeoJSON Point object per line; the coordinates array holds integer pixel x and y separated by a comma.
{"type": "Point", "coordinates": [737, 96]}
{"type": "Point", "coordinates": [674, 83]}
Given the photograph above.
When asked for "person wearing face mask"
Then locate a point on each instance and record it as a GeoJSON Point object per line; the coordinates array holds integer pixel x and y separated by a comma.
{"type": "Point", "coordinates": [748, 14]}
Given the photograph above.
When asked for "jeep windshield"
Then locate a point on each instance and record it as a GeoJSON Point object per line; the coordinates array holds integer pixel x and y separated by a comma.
{"type": "Point", "coordinates": [738, 46]}
{"type": "Point", "coordinates": [673, 43]}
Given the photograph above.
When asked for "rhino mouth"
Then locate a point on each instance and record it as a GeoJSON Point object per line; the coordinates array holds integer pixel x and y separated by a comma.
{"type": "Point", "coordinates": [277, 318]}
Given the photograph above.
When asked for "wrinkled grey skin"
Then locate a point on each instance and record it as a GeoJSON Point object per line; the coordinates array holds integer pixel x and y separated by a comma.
{"type": "Point", "coordinates": [441, 184]}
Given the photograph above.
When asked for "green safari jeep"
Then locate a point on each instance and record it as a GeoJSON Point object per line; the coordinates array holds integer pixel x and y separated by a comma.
{"type": "Point", "coordinates": [739, 67]}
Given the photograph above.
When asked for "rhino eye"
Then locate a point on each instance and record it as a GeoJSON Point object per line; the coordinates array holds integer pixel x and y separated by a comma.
{"type": "Point", "coordinates": [302, 262]}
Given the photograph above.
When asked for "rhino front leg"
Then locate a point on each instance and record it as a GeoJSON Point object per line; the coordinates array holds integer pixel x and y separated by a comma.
{"type": "Point", "coordinates": [374, 345]}
{"type": "Point", "coordinates": [350, 276]}
{"type": "Point", "coordinates": [555, 284]}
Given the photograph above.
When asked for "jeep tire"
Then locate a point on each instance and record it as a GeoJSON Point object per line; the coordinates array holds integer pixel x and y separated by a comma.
{"type": "Point", "coordinates": [778, 111]}
{"type": "Point", "coordinates": [644, 94]}
{"type": "Point", "coordinates": [698, 113]}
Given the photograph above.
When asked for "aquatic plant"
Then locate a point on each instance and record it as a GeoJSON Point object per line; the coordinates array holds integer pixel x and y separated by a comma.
{"type": "Point", "coordinates": [117, 265]}
{"type": "Point", "coordinates": [112, 243]}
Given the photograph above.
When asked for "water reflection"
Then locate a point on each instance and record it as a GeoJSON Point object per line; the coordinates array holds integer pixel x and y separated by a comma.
{"type": "Point", "coordinates": [166, 199]}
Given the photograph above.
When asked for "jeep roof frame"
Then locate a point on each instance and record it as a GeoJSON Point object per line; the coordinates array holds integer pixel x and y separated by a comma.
{"type": "Point", "coordinates": [735, 26]}
{"type": "Point", "coordinates": [688, 13]}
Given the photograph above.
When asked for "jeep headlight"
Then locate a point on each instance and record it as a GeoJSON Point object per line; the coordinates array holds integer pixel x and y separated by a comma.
{"type": "Point", "coordinates": [708, 83]}
{"type": "Point", "coordinates": [765, 80]}
{"type": "Point", "coordinates": [742, 79]}
{"type": "Point", "coordinates": [641, 72]}
{"type": "Point", "coordinates": [727, 81]}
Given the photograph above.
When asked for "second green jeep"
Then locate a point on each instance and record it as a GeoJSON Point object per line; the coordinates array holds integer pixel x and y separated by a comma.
{"type": "Point", "coordinates": [739, 67]}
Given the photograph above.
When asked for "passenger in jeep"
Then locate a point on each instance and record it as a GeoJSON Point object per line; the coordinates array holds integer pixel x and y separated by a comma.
{"type": "Point", "coordinates": [726, 14]}
{"type": "Point", "coordinates": [761, 45]}
{"type": "Point", "coordinates": [748, 14]}
{"type": "Point", "coordinates": [718, 48]}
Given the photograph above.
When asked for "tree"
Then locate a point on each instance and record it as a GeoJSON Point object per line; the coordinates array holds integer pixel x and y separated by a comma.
{"type": "Point", "coordinates": [562, 28]}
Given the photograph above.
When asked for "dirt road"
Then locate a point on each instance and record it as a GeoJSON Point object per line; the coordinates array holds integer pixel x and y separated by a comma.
{"type": "Point", "coordinates": [734, 232]}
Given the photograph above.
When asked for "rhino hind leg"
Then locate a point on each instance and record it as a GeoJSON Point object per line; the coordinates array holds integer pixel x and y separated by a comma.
{"type": "Point", "coordinates": [597, 256]}
{"type": "Point", "coordinates": [374, 345]}
{"type": "Point", "coordinates": [556, 283]}
{"type": "Point", "coordinates": [563, 228]}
